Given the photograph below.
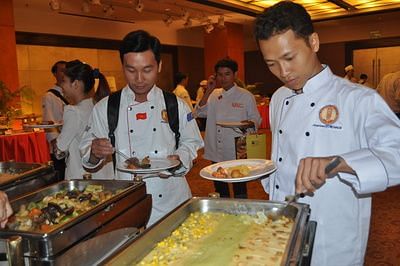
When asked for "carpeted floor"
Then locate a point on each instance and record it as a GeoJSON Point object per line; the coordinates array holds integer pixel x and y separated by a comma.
{"type": "Point", "coordinates": [384, 241]}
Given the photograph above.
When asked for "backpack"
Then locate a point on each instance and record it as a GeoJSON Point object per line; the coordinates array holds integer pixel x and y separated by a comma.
{"type": "Point", "coordinates": [171, 104]}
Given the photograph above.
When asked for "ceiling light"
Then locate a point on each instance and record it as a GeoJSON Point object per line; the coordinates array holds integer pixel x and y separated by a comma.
{"type": "Point", "coordinates": [168, 20]}
{"type": "Point", "coordinates": [109, 11]}
{"type": "Point", "coordinates": [188, 22]}
{"type": "Point", "coordinates": [209, 28]}
{"type": "Point", "coordinates": [185, 15]}
{"type": "Point", "coordinates": [95, 2]}
{"type": "Point", "coordinates": [139, 6]}
{"type": "Point", "coordinates": [85, 7]}
{"type": "Point", "coordinates": [221, 22]}
{"type": "Point", "coordinates": [54, 5]}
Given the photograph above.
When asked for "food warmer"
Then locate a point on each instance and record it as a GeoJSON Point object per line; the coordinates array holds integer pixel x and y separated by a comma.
{"type": "Point", "coordinates": [17, 178]}
{"type": "Point", "coordinates": [297, 252]}
{"type": "Point", "coordinates": [87, 237]}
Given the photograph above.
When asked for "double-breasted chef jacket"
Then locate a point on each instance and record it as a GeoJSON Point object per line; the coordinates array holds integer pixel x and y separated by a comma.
{"type": "Point", "coordinates": [233, 105]}
{"type": "Point", "coordinates": [143, 130]}
{"type": "Point", "coordinates": [52, 110]}
{"type": "Point", "coordinates": [335, 117]}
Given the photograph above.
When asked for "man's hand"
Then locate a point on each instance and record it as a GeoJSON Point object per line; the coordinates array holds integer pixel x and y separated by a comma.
{"type": "Point", "coordinates": [173, 157]}
{"type": "Point", "coordinates": [311, 173]}
{"type": "Point", "coordinates": [5, 209]}
{"type": "Point", "coordinates": [248, 124]}
{"type": "Point", "coordinates": [100, 149]}
{"type": "Point", "coordinates": [211, 85]}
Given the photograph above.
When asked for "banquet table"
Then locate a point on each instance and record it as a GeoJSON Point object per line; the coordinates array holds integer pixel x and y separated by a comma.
{"type": "Point", "coordinates": [29, 147]}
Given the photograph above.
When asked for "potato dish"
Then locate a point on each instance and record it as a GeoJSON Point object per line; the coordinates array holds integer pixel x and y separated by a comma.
{"type": "Point", "coordinates": [57, 209]}
{"type": "Point", "coordinates": [237, 171]}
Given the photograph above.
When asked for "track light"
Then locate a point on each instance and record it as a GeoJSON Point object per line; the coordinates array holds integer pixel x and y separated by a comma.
{"type": "Point", "coordinates": [188, 22]}
{"type": "Point", "coordinates": [209, 28]}
{"type": "Point", "coordinates": [95, 2]}
{"type": "Point", "coordinates": [185, 15]}
{"type": "Point", "coordinates": [221, 22]}
{"type": "Point", "coordinates": [168, 20]}
{"type": "Point", "coordinates": [139, 6]}
{"type": "Point", "coordinates": [109, 11]}
{"type": "Point", "coordinates": [55, 5]}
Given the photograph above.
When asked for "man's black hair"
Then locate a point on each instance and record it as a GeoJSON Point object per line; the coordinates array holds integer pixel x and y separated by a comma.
{"type": "Point", "coordinates": [54, 67]}
{"type": "Point", "coordinates": [281, 17]}
{"type": "Point", "coordinates": [226, 62]}
{"type": "Point", "coordinates": [140, 41]}
{"type": "Point", "coordinates": [179, 77]}
{"type": "Point", "coordinates": [363, 76]}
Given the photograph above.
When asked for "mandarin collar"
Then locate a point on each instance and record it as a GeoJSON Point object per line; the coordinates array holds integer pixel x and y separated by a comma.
{"type": "Point", "coordinates": [150, 94]}
{"type": "Point", "coordinates": [230, 91]}
{"type": "Point", "coordinates": [320, 80]}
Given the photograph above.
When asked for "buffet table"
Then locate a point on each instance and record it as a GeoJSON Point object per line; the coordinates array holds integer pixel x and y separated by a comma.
{"type": "Point", "coordinates": [30, 147]}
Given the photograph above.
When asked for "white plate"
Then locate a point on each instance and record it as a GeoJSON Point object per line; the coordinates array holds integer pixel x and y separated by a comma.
{"type": "Point", "coordinates": [232, 124]}
{"type": "Point", "coordinates": [157, 165]}
{"type": "Point", "coordinates": [44, 126]}
{"type": "Point", "coordinates": [258, 168]}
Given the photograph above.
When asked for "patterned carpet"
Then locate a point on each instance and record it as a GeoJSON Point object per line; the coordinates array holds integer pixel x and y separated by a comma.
{"type": "Point", "coordinates": [384, 241]}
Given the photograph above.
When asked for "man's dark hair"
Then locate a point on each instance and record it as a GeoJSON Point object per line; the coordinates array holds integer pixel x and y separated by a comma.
{"type": "Point", "coordinates": [140, 41]}
{"type": "Point", "coordinates": [363, 76]}
{"type": "Point", "coordinates": [179, 77]}
{"type": "Point", "coordinates": [55, 66]}
{"type": "Point", "coordinates": [281, 17]}
{"type": "Point", "coordinates": [226, 62]}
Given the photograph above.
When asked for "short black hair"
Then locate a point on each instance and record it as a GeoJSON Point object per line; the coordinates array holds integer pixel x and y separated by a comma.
{"type": "Point", "coordinates": [363, 76]}
{"type": "Point", "coordinates": [227, 62]}
{"type": "Point", "coordinates": [281, 17]}
{"type": "Point", "coordinates": [179, 77]}
{"type": "Point", "coordinates": [55, 66]}
{"type": "Point", "coordinates": [140, 41]}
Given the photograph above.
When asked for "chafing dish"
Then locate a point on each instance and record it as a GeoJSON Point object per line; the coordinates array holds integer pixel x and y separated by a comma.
{"type": "Point", "coordinates": [298, 250]}
{"type": "Point", "coordinates": [129, 207]}
{"type": "Point", "coordinates": [17, 178]}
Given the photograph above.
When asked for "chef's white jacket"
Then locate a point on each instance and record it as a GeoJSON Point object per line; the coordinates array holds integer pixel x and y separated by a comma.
{"type": "Point", "coordinates": [366, 134]}
{"type": "Point", "coordinates": [233, 105]}
{"type": "Point", "coordinates": [143, 131]}
{"type": "Point", "coordinates": [75, 121]}
{"type": "Point", "coordinates": [52, 110]}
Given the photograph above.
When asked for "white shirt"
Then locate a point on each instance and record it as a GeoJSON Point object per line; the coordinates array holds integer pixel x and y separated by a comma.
{"type": "Point", "coordinates": [182, 93]}
{"type": "Point", "coordinates": [75, 121]}
{"type": "Point", "coordinates": [52, 110]}
{"type": "Point", "coordinates": [149, 136]}
{"type": "Point", "coordinates": [366, 134]}
{"type": "Point", "coordinates": [233, 105]}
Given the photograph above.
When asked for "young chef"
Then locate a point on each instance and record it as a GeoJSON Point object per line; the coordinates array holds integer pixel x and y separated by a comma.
{"type": "Point", "coordinates": [229, 103]}
{"type": "Point", "coordinates": [318, 118]}
{"type": "Point", "coordinates": [77, 85]}
{"type": "Point", "coordinates": [143, 128]}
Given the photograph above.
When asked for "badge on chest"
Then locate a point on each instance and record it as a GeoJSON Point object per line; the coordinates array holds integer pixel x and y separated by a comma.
{"type": "Point", "coordinates": [141, 116]}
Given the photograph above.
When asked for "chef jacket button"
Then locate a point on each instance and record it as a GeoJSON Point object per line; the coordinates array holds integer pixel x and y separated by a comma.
{"type": "Point", "coordinates": [307, 133]}
{"type": "Point", "coordinates": [129, 108]}
{"type": "Point", "coordinates": [131, 130]}
{"type": "Point", "coordinates": [219, 130]}
{"type": "Point", "coordinates": [312, 104]}
{"type": "Point", "coordinates": [133, 153]}
{"type": "Point", "coordinates": [151, 107]}
{"type": "Point", "coordinates": [219, 141]}
{"type": "Point", "coordinates": [287, 102]}
{"type": "Point", "coordinates": [280, 159]}
{"type": "Point", "coordinates": [156, 151]}
{"type": "Point", "coordinates": [154, 129]}
{"type": "Point", "coordinates": [277, 186]}
{"type": "Point", "coordinates": [280, 131]}
{"type": "Point", "coordinates": [160, 195]}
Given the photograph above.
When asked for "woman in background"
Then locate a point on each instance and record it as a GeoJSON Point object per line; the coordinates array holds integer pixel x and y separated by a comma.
{"type": "Point", "coordinates": [78, 82]}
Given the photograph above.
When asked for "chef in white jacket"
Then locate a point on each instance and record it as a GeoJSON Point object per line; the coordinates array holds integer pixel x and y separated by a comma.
{"type": "Point", "coordinates": [316, 119]}
{"type": "Point", "coordinates": [143, 128]}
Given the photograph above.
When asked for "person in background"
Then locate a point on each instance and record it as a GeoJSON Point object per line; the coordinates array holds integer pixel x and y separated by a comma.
{"type": "Point", "coordinates": [364, 81]}
{"type": "Point", "coordinates": [320, 120]}
{"type": "Point", "coordinates": [5, 209]}
{"type": "Point", "coordinates": [389, 89]}
{"type": "Point", "coordinates": [229, 103]}
{"type": "Point", "coordinates": [143, 128]}
{"type": "Point", "coordinates": [201, 122]}
{"type": "Point", "coordinates": [349, 70]}
{"type": "Point", "coordinates": [53, 103]}
{"type": "Point", "coordinates": [181, 81]}
{"type": "Point", "coordinates": [79, 79]}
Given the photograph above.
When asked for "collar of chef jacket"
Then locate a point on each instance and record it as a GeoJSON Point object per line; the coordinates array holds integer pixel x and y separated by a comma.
{"type": "Point", "coordinates": [131, 95]}
{"type": "Point", "coordinates": [228, 92]}
{"type": "Point", "coordinates": [321, 79]}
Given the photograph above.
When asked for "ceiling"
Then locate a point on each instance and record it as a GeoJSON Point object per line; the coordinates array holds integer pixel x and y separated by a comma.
{"type": "Point", "coordinates": [182, 14]}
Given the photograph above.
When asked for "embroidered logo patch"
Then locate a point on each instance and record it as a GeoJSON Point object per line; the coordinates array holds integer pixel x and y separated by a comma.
{"type": "Point", "coordinates": [189, 116]}
{"type": "Point", "coordinates": [328, 114]}
{"type": "Point", "coordinates": [164, 116]}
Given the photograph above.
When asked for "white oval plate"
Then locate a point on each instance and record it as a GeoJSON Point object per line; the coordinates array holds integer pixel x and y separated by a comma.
{"type": "Point", "coordinates": [258, 168]}
{"type": "Point", "coordinates": [44, 126]}
{"type": "Point", "coordinates": [157, 165]}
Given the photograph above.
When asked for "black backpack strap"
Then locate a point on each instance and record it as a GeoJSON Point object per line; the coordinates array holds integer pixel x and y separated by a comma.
{"type": "Point", "coordinates": [58, 94]}
{"type": "Point", "coordinates": [112, 117]}
{"type": "Point", "coordinates": [173, 116]}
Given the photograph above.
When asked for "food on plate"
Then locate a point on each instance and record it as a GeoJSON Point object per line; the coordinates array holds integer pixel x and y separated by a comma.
{"type": "Point", "coordinates": [57, 209]}
{"type": "Point", "coordinates": [135, 163]}
{"type": "Point", "coordinates": [237, 171]}
{"type": "Point", "coordinates": [217, 238]}
{"type": "Point", "coordinates": [47, 123]}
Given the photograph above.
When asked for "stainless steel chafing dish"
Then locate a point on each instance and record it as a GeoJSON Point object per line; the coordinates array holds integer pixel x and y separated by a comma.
{"type": "Point", "coordinates": [298, 251]}
{"type": "Point", "coordinates": [128, 208]}
{"type": "Point", "coordinates": [17, 178]}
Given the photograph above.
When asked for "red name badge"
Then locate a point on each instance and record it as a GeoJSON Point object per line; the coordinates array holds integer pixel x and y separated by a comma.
{"type": "Point", "coordinates": [141, 116]}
